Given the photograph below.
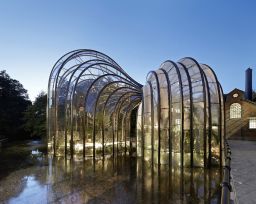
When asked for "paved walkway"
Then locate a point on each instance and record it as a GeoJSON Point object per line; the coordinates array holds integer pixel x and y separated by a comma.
{"type": "Point", "coordinates": [243, 165]}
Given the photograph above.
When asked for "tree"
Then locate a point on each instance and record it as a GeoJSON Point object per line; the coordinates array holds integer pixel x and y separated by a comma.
{"type": "Point", "coordinates": [254, 95]}
{"type": "Point", "coordinates": [35, 117]}
{"type": "Point", "coordinates": [13, 102]}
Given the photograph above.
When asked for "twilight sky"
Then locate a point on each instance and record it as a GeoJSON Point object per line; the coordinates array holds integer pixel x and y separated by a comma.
{"type": "Point", "coordinates": [138, 35]}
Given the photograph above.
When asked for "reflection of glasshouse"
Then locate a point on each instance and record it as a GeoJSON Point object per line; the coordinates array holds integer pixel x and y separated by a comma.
{"type": "Point", "coordinates": [179, 111]}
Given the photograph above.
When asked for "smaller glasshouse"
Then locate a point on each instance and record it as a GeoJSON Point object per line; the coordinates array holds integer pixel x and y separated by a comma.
{"type": "Point", "coordinates": [96, 110]}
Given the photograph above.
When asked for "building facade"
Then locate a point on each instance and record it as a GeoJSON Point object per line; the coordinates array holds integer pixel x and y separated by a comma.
{"type": "Point", "coordinates": [241, 112]}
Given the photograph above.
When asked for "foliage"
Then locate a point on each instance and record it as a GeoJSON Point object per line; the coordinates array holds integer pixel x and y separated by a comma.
{"type": "Point", "coordinates": [254, 95]}
{"type": "Point", "coordinates": [13, 102]}
{"type": "Point", "coordinates": [133, 122]}
{"type": "Point", "coordinates": [35, 117]}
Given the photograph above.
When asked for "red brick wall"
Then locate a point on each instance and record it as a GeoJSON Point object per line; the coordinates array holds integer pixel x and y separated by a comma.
{"type": "Point", "coordinates": [239, 128]}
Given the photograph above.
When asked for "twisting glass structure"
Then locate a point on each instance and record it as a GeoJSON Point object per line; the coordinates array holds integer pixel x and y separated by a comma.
{"type": "Point", "coordinates": [90, 98]}
{"type": "Point", "coordinates": [180, 116]}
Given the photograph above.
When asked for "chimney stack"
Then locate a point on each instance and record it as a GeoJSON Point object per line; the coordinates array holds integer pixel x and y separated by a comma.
{"type": "Point", "coordinates": [248, 84]}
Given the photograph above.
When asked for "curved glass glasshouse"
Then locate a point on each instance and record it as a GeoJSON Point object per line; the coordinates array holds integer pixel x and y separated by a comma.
{"type": "Point", "coordinates": [96, 110]}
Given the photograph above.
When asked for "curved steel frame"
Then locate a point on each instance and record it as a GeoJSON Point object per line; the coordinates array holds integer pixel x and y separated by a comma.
{"type": "Point", "coordinates": [180, 118]}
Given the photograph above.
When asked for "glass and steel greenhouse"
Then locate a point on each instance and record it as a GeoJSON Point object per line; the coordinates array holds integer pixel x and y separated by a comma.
{"type": "Point", "coordinates": [96, 110]}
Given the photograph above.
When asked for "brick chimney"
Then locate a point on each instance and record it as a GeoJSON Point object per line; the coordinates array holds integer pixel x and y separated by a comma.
{"type": "Point", "coordinates": [248, 84]}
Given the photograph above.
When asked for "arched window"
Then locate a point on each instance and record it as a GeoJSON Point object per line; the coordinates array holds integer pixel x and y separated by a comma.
{"type": "Point", "coordinates": [235, 110]}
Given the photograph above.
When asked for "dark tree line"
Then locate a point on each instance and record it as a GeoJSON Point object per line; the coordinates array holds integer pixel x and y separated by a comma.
{"type": "Point", "coordinates": [19, 118]}
{"type": "Point", "coordinates": [35, 117]}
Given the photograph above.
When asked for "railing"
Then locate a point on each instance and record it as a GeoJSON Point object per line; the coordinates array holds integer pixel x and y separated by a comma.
{"type": "Point", "coordinates": [226, 186]}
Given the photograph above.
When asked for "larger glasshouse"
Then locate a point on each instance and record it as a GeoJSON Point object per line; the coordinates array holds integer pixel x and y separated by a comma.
{"type": "Point", "coordinates": [96, 110]}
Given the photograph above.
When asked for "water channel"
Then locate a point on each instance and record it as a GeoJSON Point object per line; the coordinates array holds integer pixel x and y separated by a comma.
{"type": "Point", "coordinates": [29, 175]}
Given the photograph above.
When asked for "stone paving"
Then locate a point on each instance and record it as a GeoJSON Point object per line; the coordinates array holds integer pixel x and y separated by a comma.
{"type": "Point", "coordinates": [243, 170]}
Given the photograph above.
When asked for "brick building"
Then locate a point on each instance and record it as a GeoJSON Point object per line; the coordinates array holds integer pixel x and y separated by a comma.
{"type": "Point", "coordinates": [241, 112]}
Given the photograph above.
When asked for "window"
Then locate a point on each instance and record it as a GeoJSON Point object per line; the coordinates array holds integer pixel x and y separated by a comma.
{"type": "Point", "coordinates": [235, 110]}
{"type": "Point", "coordinates": [252, 123]}
{"type": "Point", "coordinates": [235, 95]}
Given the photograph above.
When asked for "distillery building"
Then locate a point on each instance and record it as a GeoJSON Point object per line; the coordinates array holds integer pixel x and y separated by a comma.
{"type": "Point", "coordinates": [241, 111]}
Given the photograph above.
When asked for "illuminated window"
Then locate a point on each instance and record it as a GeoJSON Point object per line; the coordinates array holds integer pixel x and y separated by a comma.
{"type": "Point", "coordinates": [252, 123]}
{"type": "Point", "coordinates": [235, 110]}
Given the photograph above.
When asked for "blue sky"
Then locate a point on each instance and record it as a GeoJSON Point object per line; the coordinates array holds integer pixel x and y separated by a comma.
{"type": "Point", "coordinates": [139, 35]}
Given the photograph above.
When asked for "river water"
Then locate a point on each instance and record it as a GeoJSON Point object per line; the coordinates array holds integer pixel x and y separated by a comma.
{"type": "Point", "coordinates": [29, 175]}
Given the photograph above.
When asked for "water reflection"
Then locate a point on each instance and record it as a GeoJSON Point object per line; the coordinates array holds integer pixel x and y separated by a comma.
{"type": "Point", "coordinates": [32, 192]}
{"type": "Point", "coordinates": [122, 180]}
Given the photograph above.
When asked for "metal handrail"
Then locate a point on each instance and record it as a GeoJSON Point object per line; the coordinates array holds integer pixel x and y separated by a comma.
{"type": "Point", "coordinates": [226, 186]}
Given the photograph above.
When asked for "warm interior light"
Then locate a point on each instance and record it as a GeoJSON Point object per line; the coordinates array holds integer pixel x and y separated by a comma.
{"type": "Point", "coordinates": [214, 127]}
{"type": "Point", "coordinates": [79, 146]}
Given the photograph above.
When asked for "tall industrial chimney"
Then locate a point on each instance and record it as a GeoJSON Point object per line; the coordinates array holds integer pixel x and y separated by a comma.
{"type": "Point", "coordinates": [248, 84]}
